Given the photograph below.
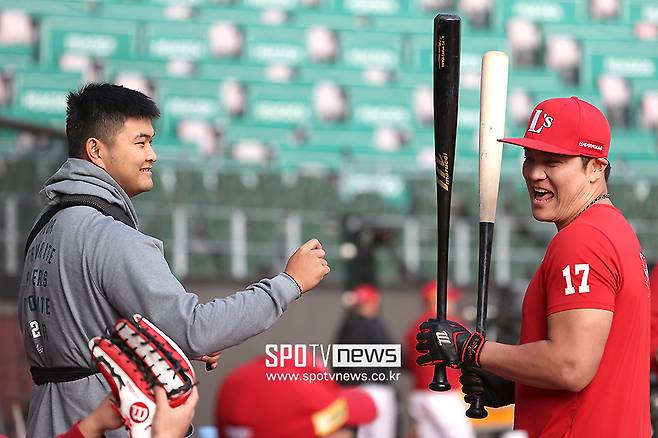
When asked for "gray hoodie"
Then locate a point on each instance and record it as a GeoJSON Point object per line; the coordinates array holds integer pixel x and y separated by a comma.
{"type": "Point", "coordinates": [84, 270]}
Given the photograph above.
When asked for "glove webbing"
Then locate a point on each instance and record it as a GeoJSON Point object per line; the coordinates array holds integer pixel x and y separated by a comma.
{"type": "Point", "coordinates": [146, 370]}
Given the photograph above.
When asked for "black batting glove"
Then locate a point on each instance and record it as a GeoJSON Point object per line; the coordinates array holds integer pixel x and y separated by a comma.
{"type": "Point", "coordinates": [494, 390]}
{"type": "Point", "coordinates": [448, 343]}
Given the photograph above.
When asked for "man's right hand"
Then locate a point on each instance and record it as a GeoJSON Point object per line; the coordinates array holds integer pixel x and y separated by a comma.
{"type": "Point", "coordinates": [307, 265]}
{"type": "Point", "coordinates": [494, 390]}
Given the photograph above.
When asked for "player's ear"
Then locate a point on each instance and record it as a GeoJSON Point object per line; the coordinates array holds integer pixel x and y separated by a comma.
{"type": "Point", "coordinates": [597, 168]}
{"type": "Point", "coordinates": [94, 151]}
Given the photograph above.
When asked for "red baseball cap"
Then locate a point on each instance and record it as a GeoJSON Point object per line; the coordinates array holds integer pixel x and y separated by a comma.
{"type": "Point", "coordinates": [249, 405]}
{"type": "Point", "coordinates": [366, 293]}
{"type": "Point", "coordinates": [428, 291]}
{"type": "Point", "coordinates": [567, 126]}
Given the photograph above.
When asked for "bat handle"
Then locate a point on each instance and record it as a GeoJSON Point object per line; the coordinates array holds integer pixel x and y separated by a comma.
{"type": "Point", "coordinates": [477, 410]}
{"type": "Point", "coordinates": [440, 379]}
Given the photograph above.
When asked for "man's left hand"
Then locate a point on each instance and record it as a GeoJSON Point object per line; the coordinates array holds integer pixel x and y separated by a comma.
{"type": "Point", "coordinates": [448, 343]}
{"type": "Point", "coordinates": [211, 360]}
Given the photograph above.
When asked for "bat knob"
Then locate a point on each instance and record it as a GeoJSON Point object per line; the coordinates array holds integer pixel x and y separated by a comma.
{"type": "Point", "coordinates": [440, 379]}
{"type": "Point", "coordinates": [440, 386]}
{"type": "Point", "coordinates": [477, 410]}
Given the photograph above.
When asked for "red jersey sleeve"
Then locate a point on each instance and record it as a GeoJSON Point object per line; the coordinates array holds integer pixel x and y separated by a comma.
{"type": "Point", "coordinates": [581, 270]}
{"type": "Point", "coordinates": [73, 432]}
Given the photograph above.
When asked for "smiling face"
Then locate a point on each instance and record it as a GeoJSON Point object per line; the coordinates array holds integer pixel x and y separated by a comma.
{"type": "Point", "coordinates": [129, 158]}
{"type": "Point", "coordinates": [559, 187]}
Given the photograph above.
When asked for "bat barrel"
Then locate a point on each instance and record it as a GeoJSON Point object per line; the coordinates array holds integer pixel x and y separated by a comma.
{"type": "Point", "coordinates": [447, 46]}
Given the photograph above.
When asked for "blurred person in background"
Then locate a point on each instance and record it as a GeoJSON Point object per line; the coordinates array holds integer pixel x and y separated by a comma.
{"type": "Point", "coordinates": [363, 324]}
{"type": "Point", "coordinates": [435, 414]}
{"type": "Point", "coordinates": [88, 265]}
{"type": "Point", "coordinates": [263, 399]}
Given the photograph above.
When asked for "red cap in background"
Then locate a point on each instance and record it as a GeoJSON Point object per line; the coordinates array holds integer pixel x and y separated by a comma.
{"type": "Point", "coordinates": [428, 291]}
{"type": "Point", "coordinates": [251, 406]}
{"type": "Point", "coordinates": [567, 126]}
{"type": "Point", "coordinates": [366, 293]}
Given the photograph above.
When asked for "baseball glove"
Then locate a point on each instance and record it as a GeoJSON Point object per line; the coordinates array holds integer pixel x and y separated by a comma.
{"type": "Point", "coordinates": [134, 356]}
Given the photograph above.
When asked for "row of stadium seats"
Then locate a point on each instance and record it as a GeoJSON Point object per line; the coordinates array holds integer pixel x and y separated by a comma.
{"type": "Point", "coordinates": [305, 44]}
{"type": "Point", "coordinates": [210, 199]}
{"type": "Point", "coordinates": [483, 13]}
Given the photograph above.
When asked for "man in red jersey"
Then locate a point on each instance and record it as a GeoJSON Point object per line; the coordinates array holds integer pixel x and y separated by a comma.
{"type": "Point", "coordinates": [581, 367]}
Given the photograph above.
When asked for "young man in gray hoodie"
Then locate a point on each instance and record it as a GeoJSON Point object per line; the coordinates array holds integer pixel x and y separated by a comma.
{"type": "Point", "coordinates": [85, 269]}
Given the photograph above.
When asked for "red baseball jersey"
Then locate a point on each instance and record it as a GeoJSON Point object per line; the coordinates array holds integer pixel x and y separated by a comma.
{"type": "Point", "coordinates": [653, 279]}
{"type": "Point", "coordinates": [422, 376]}
{"type": "Point", "coordinates": [595, 262]}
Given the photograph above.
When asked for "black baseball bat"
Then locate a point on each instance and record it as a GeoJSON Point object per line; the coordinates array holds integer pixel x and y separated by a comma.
{"type": "Point", "coordinates": [447, 40]}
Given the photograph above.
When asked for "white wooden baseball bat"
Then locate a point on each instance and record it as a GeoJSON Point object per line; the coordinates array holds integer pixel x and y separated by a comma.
{"type": "Point", "coordinates": [493, 103]}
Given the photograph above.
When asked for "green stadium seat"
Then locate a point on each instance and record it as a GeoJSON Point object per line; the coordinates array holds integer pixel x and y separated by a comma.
{"type": "Point", "coordinates": [176, 2]}
{"type": "Point", "coordinates": [130, 10]}
{"type": "Point", "coordinates": [219, 70]}
{"type": "Point", "coordinates": [633, 145]}
{"type": "Point", "coordinates": [97, 38]}
{"type": "Point", "coordinates": [286, 5]}
{"type": "Point", "coordinates": [270, 45]}
{"type": "Point", "coordinates": [16, 56]}
{"type": "Point", "coordinates": [412, 79]}
{"type": "Point", "coordinates": [600, 32]}
{"type": "Point", "coordinates": [638, 60]}
{"type": "Point", "coordinates": [171, 150]}
{"type": "Point", "coordinates": [333, 21]}
{"type": "Point", "coordinates": [45, 8]}
{"type": "Point", "coordinates": [42, 92]}
{"type": "Point", "coordinates": [186, 41]}
{"type": "Point", "coordinates": [308, 159]}
{"type": "Point", "coordinates": [192, 99]}
{"type": "Point", "coordinates": [340, 139]}
{"type": "Point", "coordinates": [550, 11]}
{"type": "Point", "coordinates": [337, 75]}
{"type": "Point", "coordinates": [375, 192]}
{"type": "Point", "coordinates": [534, 80]}
{"type": "Point", "coordinates": [374, 106]}
{"type": "Point", "coordinates": [237, 130]}
{"type": "Point", "coordinates": [149, 68]}
{"type": "Point", "coordinates": [372, 8]}
{"type": "Point", "coordinates": [474, 47]}
{"type": "Point", "coordinates": [283, 104]}
{"type": "Point", "coordinates": [367, 50]}
{"type": "Point", "coordinates": [643, 11]}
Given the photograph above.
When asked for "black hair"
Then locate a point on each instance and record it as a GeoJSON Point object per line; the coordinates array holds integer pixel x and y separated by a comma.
{"type": "Point", "coordinates": [100, 110]}
{"type": "Point", "coordinates": [586, 160]}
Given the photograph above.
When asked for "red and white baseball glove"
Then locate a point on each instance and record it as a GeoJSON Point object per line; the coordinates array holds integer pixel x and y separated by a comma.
{"type": "Point", "coordinates": [134, 356]}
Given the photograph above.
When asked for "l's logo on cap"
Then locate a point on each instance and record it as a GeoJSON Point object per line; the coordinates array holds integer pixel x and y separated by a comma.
{"type": "Point", "coordinates": [546, 123]}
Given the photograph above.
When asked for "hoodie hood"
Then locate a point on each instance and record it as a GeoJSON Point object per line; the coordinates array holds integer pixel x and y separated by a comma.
{"type": "Point", "coordinates": [81, 177]}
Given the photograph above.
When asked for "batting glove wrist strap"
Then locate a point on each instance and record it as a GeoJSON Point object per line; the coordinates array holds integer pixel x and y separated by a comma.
{"type": "Point", "coordinates": [471, 350]}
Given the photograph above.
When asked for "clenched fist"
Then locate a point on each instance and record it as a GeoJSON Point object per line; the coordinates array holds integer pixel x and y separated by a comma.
{"type": "Point", "coordinates": [307, 265]}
